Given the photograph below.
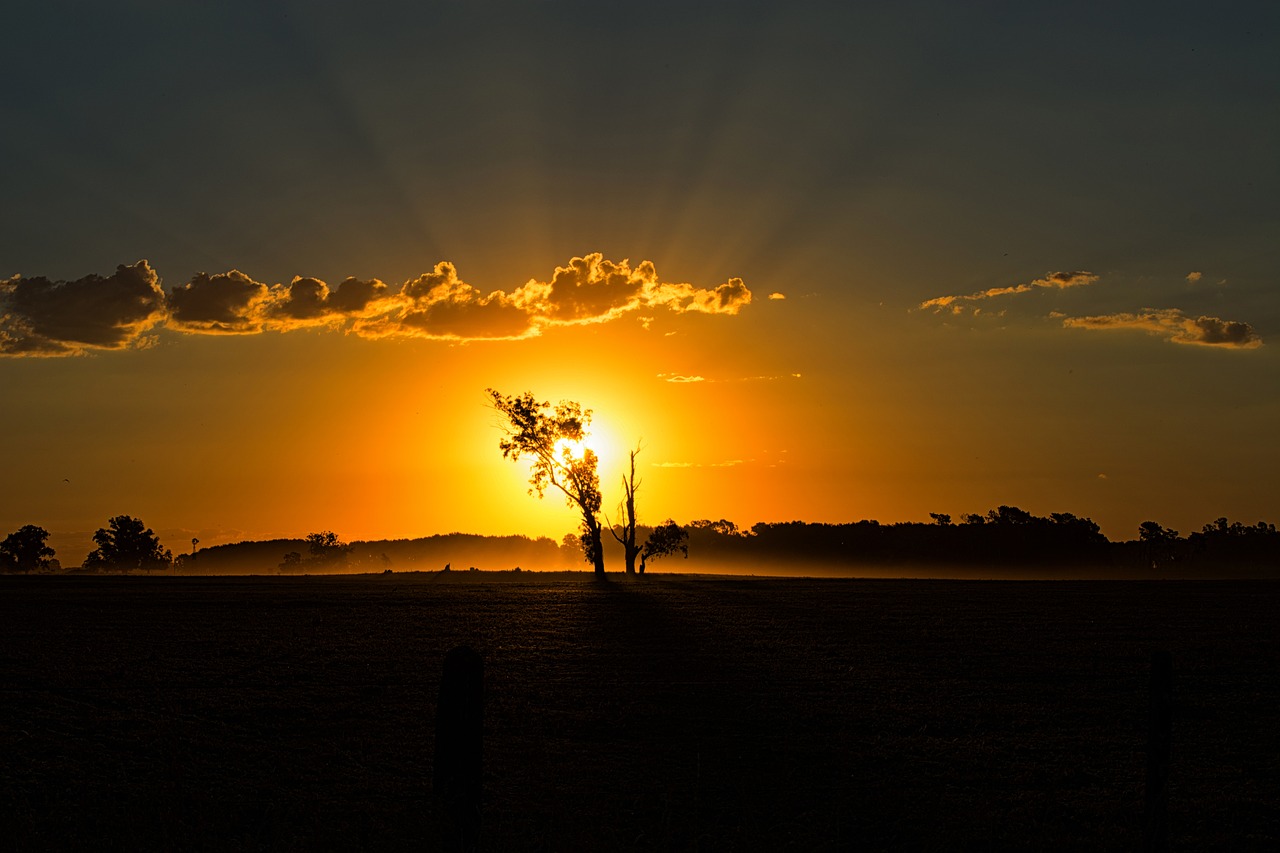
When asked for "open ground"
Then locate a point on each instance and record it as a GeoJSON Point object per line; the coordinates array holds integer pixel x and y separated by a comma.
{"type": "Point", "coordinates": [664, 713]}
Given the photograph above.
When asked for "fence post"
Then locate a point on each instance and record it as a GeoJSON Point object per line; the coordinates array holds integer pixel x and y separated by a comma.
{"type": "Point", "coordinates": [1159, 742]}
{"type": "Point", "coordinates": [458, 778]}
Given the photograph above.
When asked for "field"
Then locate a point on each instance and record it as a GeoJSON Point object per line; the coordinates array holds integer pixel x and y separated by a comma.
{"type": "Point", "coordinates": [669, 713]}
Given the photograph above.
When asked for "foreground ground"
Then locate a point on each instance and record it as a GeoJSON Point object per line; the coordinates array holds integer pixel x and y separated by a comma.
{"type": "Point", "coordinates": [670, 713]}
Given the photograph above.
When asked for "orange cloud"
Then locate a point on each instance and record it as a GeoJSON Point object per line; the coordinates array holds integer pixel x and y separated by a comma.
{"type": "Point", "coordinates": [1173, 325]}
{"type": "Point", "coordinates": [1053, 280]}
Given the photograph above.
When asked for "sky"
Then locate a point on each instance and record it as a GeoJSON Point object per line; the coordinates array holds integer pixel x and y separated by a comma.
{"type": "Point", "coordinates": [259, 261]}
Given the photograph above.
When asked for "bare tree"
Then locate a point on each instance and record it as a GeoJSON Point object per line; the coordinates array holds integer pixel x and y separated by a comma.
{"type": "Point", "coordinates": [630, 549]}
{"type": "Point", "coordinates": [664, 540]}
{"type": "Point", "coordinates": [546, 435]}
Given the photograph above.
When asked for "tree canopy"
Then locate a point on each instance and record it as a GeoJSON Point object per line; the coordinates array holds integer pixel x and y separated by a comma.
{"type": "Point", "coordinates": [666, 539]}
{"type": "Point", "coordinates": [126, 544]}
{"type": "Point", "coordinates": [25, 550]}
{"type": "Point", "coordinates": [550, 439]}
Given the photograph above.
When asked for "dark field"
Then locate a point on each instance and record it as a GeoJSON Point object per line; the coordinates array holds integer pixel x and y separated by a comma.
{"type": "Point", "coordinates": [670, 713]}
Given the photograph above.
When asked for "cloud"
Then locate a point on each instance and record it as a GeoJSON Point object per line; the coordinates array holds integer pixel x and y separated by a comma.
{"type": "Point", "coordinates": [678, 377]}
{"type": "Point", "coordinates": [728, 463]}
{"type": "Point", "coordinates": [440, 305]}
{"type": "Point", "coordinates": [777, 295]}
{"type": "Point", "coordinates": [39, 317]}
{"type": "Point", "coordinates": [1193, 277]}
{"type": "Point", "coordinates": [591, 290]}
{"type": "Point", "coordinates": [308, 302]}
{"type": "Point", "coordinates": [42, 317]}
{"type": "Point", "coordinates": [1173, 325]}
{"type": "Point", "coordinates": [1053, 280]}
{"type": "Point", "coordinates": [226, 303]}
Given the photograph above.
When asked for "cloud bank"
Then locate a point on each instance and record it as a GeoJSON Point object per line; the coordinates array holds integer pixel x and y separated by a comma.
{"type": "Point", "coordinates": [1175, 326]}
{"type": "Point", "coordinates": [39, 317]}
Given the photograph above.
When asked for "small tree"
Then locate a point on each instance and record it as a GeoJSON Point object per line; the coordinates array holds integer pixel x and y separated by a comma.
{"type": "Point", "coordinates": [1158, 543]}
{"type": "Point", "coordinates": [546, 437]}
{"type": "Point", "coordinates": [666, 539]}
{"type": "Point", "coordinates": [326, 547]}
{"type": "Point", "coordinates": [126, 544]}
{"type": "Point", "coordinates": [25, 549]}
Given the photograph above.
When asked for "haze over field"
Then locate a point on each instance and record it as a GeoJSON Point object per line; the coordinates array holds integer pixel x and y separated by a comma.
{"type": "Point", "coordinates": [824, 261]}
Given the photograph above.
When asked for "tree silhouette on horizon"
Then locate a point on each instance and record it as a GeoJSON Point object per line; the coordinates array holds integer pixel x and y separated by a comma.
{"type": "Point", "coordinates": [25, 549]}
{"type": "Point", "coordinates": [126, 544]}
{"type": "Point", "coordinates": [630, 548]}
{"type": "Point", "coordinates": [536, 431]}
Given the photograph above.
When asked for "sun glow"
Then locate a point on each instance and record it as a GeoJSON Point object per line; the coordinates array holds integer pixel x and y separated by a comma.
{"type": "Point", "coordinates": [598, 440]}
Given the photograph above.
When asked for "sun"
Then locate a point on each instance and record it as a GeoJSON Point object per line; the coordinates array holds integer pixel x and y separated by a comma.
{"type": "Point", "coordinates": [599, 439]}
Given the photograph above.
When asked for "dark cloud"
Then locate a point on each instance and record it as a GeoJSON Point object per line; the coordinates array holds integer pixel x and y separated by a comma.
{"type": "Point", "coordinates": [306, 302]}
{"type": "Point", "coordinates": [226, 303]}
{"type": "Point", "coordinates": [303, 298]}
{"type": "Point", "coordinates": [39, 317]}
{"type": "Point", "coordinates": [355, 297]}
{"type": "Point", "coordinates": [1173, 325]}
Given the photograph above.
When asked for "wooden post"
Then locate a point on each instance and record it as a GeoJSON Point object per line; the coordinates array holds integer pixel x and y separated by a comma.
{"type": "Point", "coordinates": [458, 777]}
{"type": "Point", "coordinates": [1159, 741]}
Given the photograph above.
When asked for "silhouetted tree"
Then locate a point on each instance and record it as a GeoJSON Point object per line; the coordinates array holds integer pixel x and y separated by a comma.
{"type": "Point", "coordinates": [1158, 543]}
{"type": "Point", "coordinates": [544, 435]}
{"type": "Point", "coordinates": [291, 561]}
{"type": "Point", "coordinates": [1009, 515]}
{"type": "Point", "coordinates": [630, 548]}
{"type": "Point", "coordinates": [25, 549]}
{"type": "Point", "coordinates": [666, 539]}
{"type": "Point", "coordinates": [1224, 542]}
{"type": "Point", "coordinates": [724, 526]}
{"type": "Point", "coordinates": [126, 544]}
{"type": "Point", "coordinates": [1151, 531]}
{"type": "Point", "coordinates": [940, 518]}
{"type": "Point", "coordinates": [326, 547]}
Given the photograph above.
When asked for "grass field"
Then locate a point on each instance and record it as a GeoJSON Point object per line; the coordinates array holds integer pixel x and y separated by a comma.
{"type": "Point", "coordinates": [669, 713]}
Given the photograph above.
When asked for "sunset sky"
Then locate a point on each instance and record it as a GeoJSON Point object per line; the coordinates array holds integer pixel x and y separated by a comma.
{"type": "Point", "coordinates": [823, 261]}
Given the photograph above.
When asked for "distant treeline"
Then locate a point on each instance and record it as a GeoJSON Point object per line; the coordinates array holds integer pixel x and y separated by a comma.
{"type": "Point", "coordinates": [315, 555]}
{"type": "Point", "coordinates": [1005, 537]}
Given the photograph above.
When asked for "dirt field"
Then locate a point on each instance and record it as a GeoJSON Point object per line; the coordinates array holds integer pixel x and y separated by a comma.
{"type": "Point", "coordinates": [664, 714]}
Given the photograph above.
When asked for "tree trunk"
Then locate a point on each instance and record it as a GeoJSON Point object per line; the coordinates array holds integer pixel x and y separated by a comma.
{"type": "Point", "coordinates": [596, 543]}
{"type": "Point", "coordinates": [629, 548]}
